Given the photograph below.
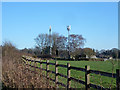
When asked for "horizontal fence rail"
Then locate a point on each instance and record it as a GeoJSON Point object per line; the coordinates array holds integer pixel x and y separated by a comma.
{"type": "Point", "coordinates": [61, 65]}
{"type": "Point", "coordinates": [77, 80]}
{"type": "Point", "coordinates": [77, 68]}
{"type": "Point", "coordinates": [68, 76]}
{"type": "Point", "coordinates": [103, 73]}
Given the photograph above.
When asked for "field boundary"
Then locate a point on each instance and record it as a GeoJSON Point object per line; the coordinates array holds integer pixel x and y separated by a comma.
{"type": "Point", "coordinates": [87, 71]}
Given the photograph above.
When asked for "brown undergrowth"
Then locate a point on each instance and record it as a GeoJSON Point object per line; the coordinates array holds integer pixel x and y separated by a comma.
{"type": "Point", "coordinates": [17, 75]}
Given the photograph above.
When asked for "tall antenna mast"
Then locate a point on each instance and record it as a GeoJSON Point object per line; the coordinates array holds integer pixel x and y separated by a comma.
{"type": "Point", "coordinates": [50, 39]}
{"type": "Point", "coordinates": [68, 28]}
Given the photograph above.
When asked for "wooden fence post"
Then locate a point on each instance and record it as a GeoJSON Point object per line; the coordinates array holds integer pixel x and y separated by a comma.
{"type": "Point", "coordinates": [87, 78]}
{"type": "Point", "coordinates": [47, 69]}
{"type": "Point", "coordinates": [40, 67]}
{"type": "Point", "coordinates": [27, 66]}
{"type": "Point", "coordinates": [30, 66]}
{"type": "Point", "coordinates": [26, 62]}
{"type": "Point", "coordinates": [35, 64]}
{"type": "Point", "coordinates": [56, 74]}
{"type": "Point", "coordinates": [118, 79]}
{"type": "Point", "coordinates": [47, 72]}
{"type": "Point", "coordinates": [68, 76]}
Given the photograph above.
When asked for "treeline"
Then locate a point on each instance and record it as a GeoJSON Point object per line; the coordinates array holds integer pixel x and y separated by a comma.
{"type": "Point", "coordinates": [114, 53]}
{"type": "Point", "coordinates": [60, 45]}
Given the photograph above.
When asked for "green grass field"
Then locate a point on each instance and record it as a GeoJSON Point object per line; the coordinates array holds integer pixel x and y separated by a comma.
{"type": "Point", "coordinates": [106, 66]}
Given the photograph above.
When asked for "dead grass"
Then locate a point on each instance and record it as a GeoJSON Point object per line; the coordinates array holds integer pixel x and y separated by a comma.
{"type": "Point", "coordinates": [15, 74]}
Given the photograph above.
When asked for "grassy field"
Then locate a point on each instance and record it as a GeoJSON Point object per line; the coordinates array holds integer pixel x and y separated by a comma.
{"type": "Point", "coordinates": [106, 66]}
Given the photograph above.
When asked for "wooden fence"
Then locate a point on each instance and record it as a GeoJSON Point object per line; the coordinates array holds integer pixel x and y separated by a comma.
{"type": "Point", "coordinates": [69, 78]}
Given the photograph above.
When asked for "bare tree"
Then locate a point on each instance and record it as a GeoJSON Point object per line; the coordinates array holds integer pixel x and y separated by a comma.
{"type": "Point", "coordinates": [61, 42]}
{"type": "Point", "coordinates": [42, 41]}
{"type": "Point", "coordinates": [58, 42]}
{"type": "Point", "coordinates": [76, 41]}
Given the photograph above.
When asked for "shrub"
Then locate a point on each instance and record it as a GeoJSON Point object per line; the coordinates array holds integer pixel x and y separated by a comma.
{"type": "Point", "coordinates": [17, 75]}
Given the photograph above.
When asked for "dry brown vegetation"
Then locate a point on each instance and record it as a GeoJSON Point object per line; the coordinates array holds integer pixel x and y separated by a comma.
{"type": "Point", "coordinates": [15, 73]}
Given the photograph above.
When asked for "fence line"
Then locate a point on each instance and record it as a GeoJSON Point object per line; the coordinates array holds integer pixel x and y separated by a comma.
{"type": "Point", "coordinates": [69, 78]}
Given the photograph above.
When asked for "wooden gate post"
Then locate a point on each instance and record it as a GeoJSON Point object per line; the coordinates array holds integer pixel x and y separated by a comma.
{"type": "Point", "coordinates": [118, 79]}
{"type": "Point", "coordinates": [56, 74]}
{"type": "Point", "coordinates": [87, 78]}
{"type": "Point", "coordinates": [68, 76]}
